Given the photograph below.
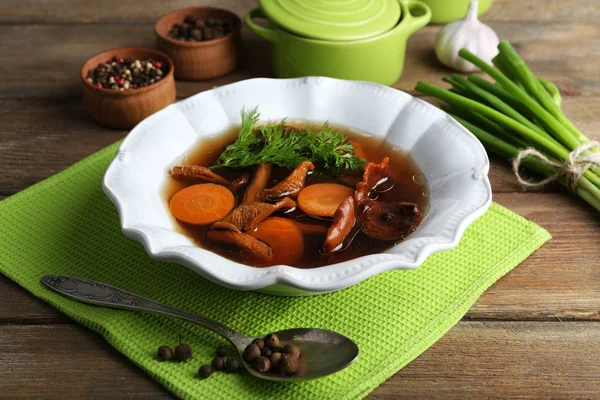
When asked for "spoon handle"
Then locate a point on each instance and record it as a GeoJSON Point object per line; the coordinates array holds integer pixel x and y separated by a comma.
{"type": "Point", "coordinates": [102, 294]}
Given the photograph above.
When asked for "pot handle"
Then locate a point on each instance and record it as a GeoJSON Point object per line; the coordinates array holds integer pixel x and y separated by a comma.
{"type": "Point", "coordinates": [415, 15]}
{"type": "Point", "coordinates": [265, 33]}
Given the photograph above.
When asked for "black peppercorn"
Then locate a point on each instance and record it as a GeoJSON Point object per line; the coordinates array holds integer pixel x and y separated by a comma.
{"type": "Point", "coordinates": [196, 34]}
{"type": "Point", "coordinates": [232, 364]}
{"type": "Point", "coordinates": [165, 353]}
{"type": "Point", "coordinates": [221, 351]}
{"type": "Point", "coordinates": [266, 352]}
{"type": "Point", "coordinates": [288, 365]}
{"type": "Point", "coordinates": [259, 342]}
{"type": "Point", "coordinates": [194, 29]}
{"type": "Point", "coordinates": [251, 353]}
{"type": "Point", "coordinates": [219, 32]}
{"type": "Point", "coordinates": [205, 371]}
{"type": "Point", "coordinates": [182, 352]}
{"type": "Point", "coordinates": [207, 33]}
{"type": "Point", "coordinates": [218, 363]}
{"type": "Point", "coordinates": [262, 364]}
{"type": "Point", "coordinates": [271, 341]}
{"type": "Point", "coordinates": [292, 350]}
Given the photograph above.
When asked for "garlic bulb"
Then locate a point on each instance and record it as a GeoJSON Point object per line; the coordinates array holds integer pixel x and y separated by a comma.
{"type": "Point", "coordinates": [467, 33]}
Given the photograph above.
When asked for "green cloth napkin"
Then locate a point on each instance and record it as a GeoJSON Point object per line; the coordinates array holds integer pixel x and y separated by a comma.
{"type": "Point", "coordinates": [65, 225]}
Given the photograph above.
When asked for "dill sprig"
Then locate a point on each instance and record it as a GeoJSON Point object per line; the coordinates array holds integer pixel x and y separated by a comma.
{"type": "Point", "coordinates": [242, 151]}
{"type": "Point", "coordinates": [334, 150]}
{"type": "Point", "coordinates": [272, 143]}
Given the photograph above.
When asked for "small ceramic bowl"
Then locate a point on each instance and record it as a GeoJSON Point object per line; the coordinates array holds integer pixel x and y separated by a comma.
{"type": "Point", "coordinates": [196, 61]}
{"type": "Point", "coordinates": [124, 109]}
{"type": "Point", "coordinates": [453, 161]}
{"type": "Point", "coordinates": [377, 59]}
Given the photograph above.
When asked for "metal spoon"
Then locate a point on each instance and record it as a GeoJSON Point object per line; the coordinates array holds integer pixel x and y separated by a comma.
{"type": "Point", "coordinates": [323, 352]}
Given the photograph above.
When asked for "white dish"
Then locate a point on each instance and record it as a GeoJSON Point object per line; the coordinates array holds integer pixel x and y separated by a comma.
{"type": "Point", "coordinates": [451, 158]}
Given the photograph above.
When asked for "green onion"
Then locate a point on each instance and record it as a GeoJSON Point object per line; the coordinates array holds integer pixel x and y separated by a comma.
{"type": "Point", "coordinates": [517, 111]}
{"type": "Point", "coordinates": [556, 129]}
{"type": "Point", "coordinates": [499, 105]}
{"type": "Point", "coordinates": [502, 94]}
{"type": "Point", "coordinates": [485, 123]}
{"type": "Point", "coordinates": [552, 90]}
{"type": "Point", "coordinates": [535, 88]}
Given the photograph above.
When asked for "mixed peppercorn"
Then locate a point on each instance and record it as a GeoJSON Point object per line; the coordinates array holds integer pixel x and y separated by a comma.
{"type": "Point", "coordinates": [127, 73]}
{"type": "Point", "coordinates": [194, 29]}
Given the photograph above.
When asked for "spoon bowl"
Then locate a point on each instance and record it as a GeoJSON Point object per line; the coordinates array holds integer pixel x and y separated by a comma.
{"type": "Point", "coordinates": [323, 352]}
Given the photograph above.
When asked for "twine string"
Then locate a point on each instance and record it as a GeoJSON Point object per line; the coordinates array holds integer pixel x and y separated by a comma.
{"type": "Point", "coordinates": [573, 168]}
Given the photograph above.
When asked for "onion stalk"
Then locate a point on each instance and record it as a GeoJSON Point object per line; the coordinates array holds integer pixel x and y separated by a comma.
{"type": "Point", "coordinates": [518, 111]}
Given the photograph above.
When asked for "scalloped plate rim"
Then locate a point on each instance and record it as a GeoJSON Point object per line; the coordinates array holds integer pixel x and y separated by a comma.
{"type": "Point", "coordinates": [285, 274]}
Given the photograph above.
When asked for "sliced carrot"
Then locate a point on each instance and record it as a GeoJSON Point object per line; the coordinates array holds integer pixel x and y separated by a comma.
{"type": "Point", "coordinates": [322, 199]}
{"type": "Point", "coordinates": [359, 151]}
{"type": "Point", "coordinates": [202, 204]}
{"type": "Point", "coordinates": [284, 237]}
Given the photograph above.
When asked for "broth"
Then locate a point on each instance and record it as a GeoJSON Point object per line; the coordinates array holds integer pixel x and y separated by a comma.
{"type": "Point", "coordinates": [409, 186]}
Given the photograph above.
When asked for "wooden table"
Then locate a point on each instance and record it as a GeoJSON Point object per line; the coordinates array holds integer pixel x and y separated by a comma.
{"type": "Point", "coordinates": [533, 334]}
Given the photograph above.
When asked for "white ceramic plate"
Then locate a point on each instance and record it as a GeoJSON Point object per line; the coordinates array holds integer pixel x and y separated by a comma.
{"type": "Point", "coordinates": [451, 158]}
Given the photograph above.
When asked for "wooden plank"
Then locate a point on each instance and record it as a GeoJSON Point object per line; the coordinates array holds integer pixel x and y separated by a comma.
{"type": "Point", "coordinates": [473, 360]}
{"type": "Point", "coordinates": [54, 72]}
{"type": "Point", "coordinates": [559, 282]}
{"type": "Point", "coordinates": [67, 361]}
{"type": "Point", "coordinates": [109, 11]}
{"type": "Point", "coordinates": [543, 10]}
{"type": "Point", "coordinates": [18, 306]}
{"type": "Point", "coordinates": [42, 137]}
{"type": "Point", "coordinates": [80, 11]}
{"type": "Point", "coordinates": [524, 360]}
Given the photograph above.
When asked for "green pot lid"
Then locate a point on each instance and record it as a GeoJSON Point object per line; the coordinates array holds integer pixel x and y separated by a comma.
{"type": "Point", "coordinates": [339, 20]}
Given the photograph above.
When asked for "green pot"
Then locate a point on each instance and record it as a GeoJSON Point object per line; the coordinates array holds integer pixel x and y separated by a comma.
{"type": "Point", "coordinates": [377, 59]}
{"type": "Point", "coordinates": [444, 11]}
